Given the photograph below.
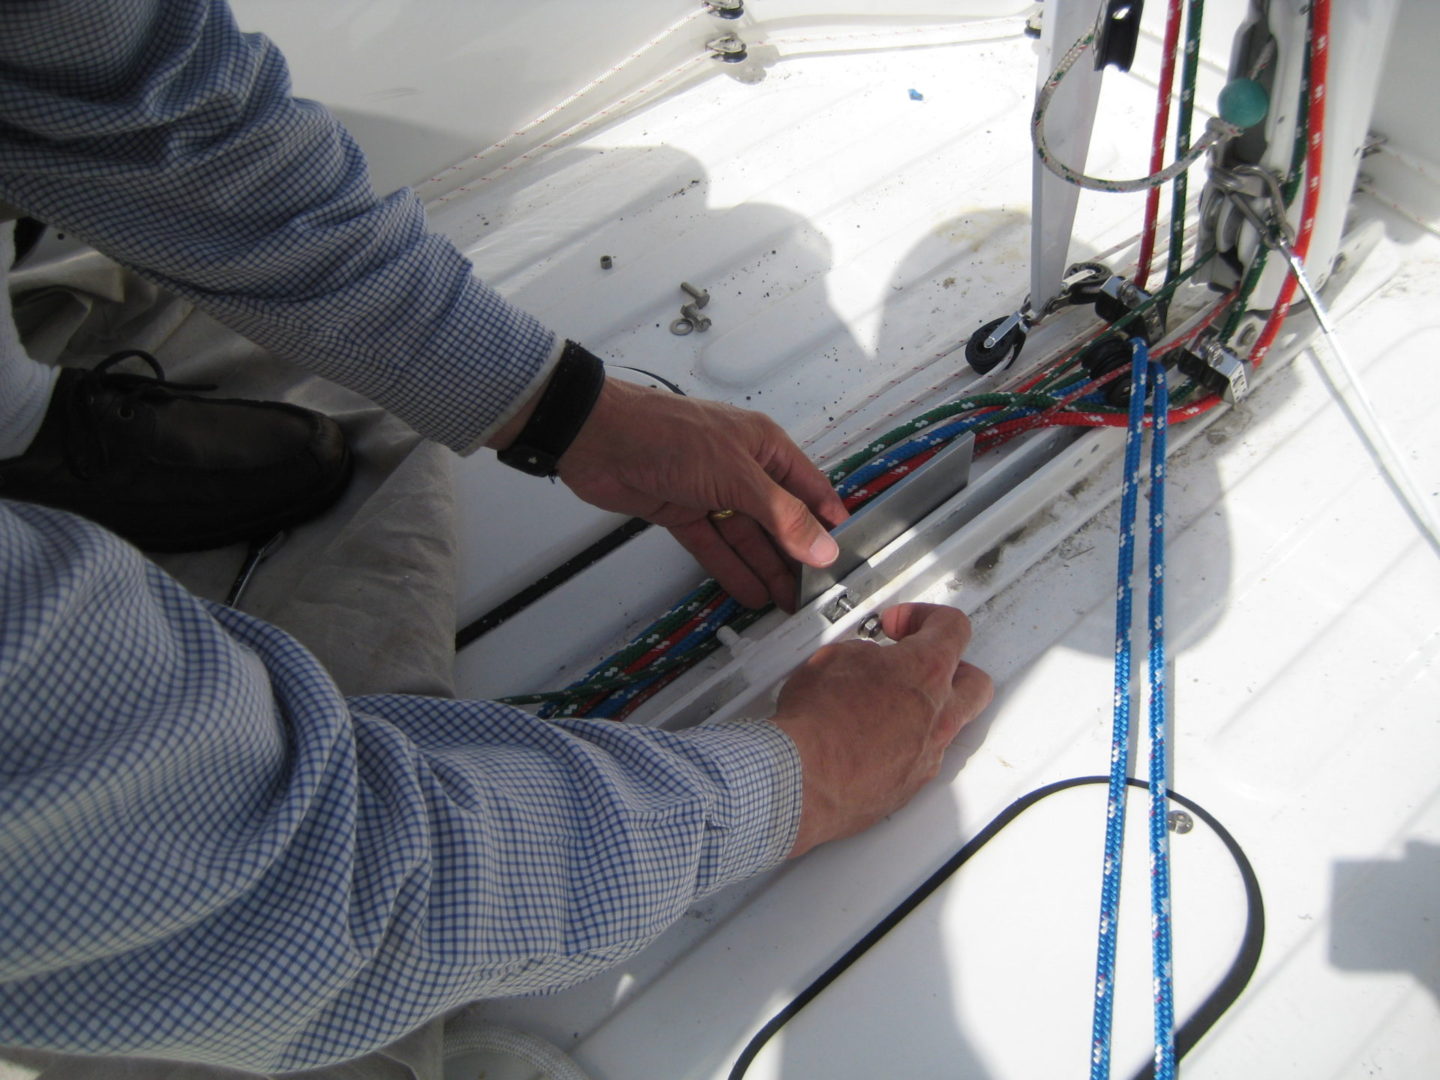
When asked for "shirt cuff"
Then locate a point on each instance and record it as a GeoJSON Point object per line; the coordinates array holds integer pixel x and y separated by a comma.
{"type": "Point", "coordinates": [533, 387]}
{"type": "Point", "coordinates": [758, 816]}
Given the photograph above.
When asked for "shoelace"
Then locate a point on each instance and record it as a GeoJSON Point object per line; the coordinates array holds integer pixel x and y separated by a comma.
{"type": "Point", "coordinates": [85, 450]}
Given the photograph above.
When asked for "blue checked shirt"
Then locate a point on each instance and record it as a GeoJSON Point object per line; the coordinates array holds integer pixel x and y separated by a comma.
{"type": "Point", "coordinates": [205, 851]}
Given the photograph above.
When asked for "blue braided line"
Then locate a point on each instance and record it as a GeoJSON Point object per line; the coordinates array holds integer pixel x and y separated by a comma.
{"type": "Point", "coordinates": [930, 437]}
{"type": "Point", "coordinates": [605, 668]}
{"type": "Point", "coordinates": [1120, 731]}
{"type": "Point", "coordinates": [704, 630]}
{"type": "Point", "coordinates": [1159, 816]}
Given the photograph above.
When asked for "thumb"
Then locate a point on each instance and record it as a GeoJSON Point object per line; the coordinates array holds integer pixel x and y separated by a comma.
{"type": "Point", "coordinates": [796, 530]}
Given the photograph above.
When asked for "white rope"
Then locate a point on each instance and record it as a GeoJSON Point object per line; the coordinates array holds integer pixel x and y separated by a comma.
{"type": "Point", "coordinates": [1216, 130]}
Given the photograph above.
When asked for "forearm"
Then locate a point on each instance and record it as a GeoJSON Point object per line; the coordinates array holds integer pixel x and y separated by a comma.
{"type": "Point", "coordinates": [160, 134]}
{"type": "Point", "coordinates": [206, 853]}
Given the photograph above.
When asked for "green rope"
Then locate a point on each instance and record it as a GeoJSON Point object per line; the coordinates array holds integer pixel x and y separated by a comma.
{"type": "Point", "coordinates": [1182, 136]}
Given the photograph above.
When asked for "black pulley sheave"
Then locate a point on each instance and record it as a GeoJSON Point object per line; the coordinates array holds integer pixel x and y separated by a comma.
{"type": "Point", "coordinates": [1117, 34]}
{"type": "Point", "coordinates": [985, 352]}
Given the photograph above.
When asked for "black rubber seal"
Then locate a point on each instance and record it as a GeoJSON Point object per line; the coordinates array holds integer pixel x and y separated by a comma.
{"type": "Point", "coordinates": [551, 581]}
{"type": "Point", "coordinates": [1226, 992]}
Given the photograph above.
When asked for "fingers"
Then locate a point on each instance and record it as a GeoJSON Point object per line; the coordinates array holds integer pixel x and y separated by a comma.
{"type": "Point", "coordinates": [797, 532]}
{"type": "Point", "coordinates": [739, 555]}
{"type": "Point", "coordinates": [932, 623]}
{"type": "Point", "coordinates": [971, 691]}
{"type": "Point", "coordinates": [797, 474]}
{"type": "Point", "coordinates": [755, 548]}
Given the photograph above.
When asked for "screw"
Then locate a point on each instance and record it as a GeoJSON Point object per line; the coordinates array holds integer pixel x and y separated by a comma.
{"type": "Point", "coordinates": [838, 608]}
{"type": "Point", "coordinates": [1180, 821]}
{"type": "Point", "coordinates": [728, 48]}
{"type": "Point", "coordinates": [700, 296]}
{"type": "Point", "coordinates": [691, 312]}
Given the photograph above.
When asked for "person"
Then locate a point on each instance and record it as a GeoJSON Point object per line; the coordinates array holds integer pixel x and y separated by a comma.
{"type": "Point", "coordinates": [206, 852]}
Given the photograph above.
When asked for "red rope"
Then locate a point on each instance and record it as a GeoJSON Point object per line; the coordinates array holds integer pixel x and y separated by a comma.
{"type": "Point", "coordinates": [1157, 147]}
{"type": "Point", "coordinates": [1007, 430]}
{"type": "Point", "coordinates": [1314, 155]}
{"type": "Point", "coordinates": [862, 495]}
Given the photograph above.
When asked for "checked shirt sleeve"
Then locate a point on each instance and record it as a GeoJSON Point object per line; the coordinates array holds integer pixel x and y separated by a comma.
{"type": "Point", "coordinates": [206, 853]}
{"type": "Point", "coordinates": [156, 131]}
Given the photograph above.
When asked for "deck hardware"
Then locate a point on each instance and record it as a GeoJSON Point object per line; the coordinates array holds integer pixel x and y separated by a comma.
{"type": "Point", "coordinates": [1119, 31]}
{"type": "Point", "coordinates": [1235, 197]}
{"type": "Point", "coordinates": [728, 48]}
{"type": "Point", "coordinates": [885, 518]}
{"type": "Point", "coordinates": [1180, 821]}
{"type": "Point", "coordinates": [838, 608]}
{"type": "Point", "coordinates": [699, 321]}
{"type": "Point", "coordinates": [1105, 354]}
{"type": "Point", "coordinates": [681, 326]}
{"type": "Point", "coordinates": [725, 9]}
{"type": "Point", "coordinates": [700, 296]}
{"type": "Point", "coordinates": [260, 550]}
{"type": "Point", "coordinates": [1217, 368]}
{"type": "Point", "coordinates": [1119, 297]}
{"type": "Point", "coordinates": [870, 628]}
{"type": "Point", "coordinates": [606, 262]}
{"type": "Point", "coordinates": [998, 342]}
{"type": "Point", "coordinates": [1080, 285]}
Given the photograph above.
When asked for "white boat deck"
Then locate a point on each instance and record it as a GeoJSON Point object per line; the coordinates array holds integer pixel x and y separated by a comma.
{"type": "Point", "coordinates": [849, 235]}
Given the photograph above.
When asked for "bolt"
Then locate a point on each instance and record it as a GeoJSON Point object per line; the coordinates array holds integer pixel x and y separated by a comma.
{"type": "Point", "coordinates": [1180, 821]}
{"type": "Point", "coordinates": [700, 296]}
{"type": "Point", "coordinates": [728, 48]}
{"type": "Point", "coordinates": [838, 608]}
{"type": "Point", "coordinates": [691, 312]}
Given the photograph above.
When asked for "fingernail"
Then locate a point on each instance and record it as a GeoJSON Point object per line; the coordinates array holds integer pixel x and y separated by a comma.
{"type": "Point", "coordinates": [824, 551]}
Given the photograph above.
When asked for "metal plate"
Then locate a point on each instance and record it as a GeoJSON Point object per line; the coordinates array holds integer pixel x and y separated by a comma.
{"type": "Point", "coordinates": [888, 515]}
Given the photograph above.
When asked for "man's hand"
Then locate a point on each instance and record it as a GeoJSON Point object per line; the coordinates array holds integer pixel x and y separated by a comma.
{"type": "Point", "coordinates": [872, 722]}
{"type": "Point", "coordinates": [673, 460]}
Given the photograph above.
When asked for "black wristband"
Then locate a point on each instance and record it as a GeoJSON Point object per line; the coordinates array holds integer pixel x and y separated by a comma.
{"type": "Point", "coordinates": [561, 412]}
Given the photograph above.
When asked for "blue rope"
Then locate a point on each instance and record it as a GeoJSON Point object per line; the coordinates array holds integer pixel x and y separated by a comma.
{"type": "Point", "coordinates": [1159, 808]}
{"type": "Point", "coordinates": [1120, 730]}
{"type": "Point", "coordinates": [931, 437]}
{"type": "Point", "coordinates": [704, 631]}
{"type": "Point", "coordinates": [1120, 735]}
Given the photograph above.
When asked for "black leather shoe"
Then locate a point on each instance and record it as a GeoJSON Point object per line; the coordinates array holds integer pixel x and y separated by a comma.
{"type": "Point", "coordinates": [170, 471]}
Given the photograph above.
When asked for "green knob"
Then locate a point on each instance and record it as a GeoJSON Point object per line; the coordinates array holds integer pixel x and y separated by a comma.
{"type": "Point", "coordinates": [1243, 103]}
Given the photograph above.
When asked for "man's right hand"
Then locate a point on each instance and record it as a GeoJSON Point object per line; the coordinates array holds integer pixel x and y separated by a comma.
{"type": "Point", "coordinates": [872, 722]}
